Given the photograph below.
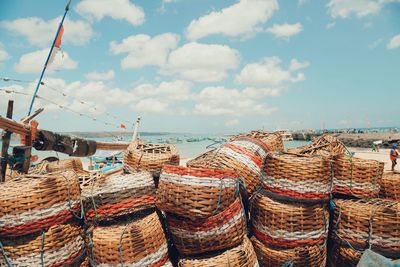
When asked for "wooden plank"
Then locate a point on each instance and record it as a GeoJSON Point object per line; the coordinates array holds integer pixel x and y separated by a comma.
{"type": "Point", "coordinates": [6, 143]}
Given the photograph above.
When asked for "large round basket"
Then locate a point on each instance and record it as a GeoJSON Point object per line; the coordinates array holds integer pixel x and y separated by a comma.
{"type": "Point", "coordinates": [119, 194]}
{"type": "Point", "coordinates": [35, 202]}
{"type": "Point", "coordinates": [367, 223]}
{"type": "Point", "coordinates": [74, 164]}
{"type": "Point", "coordinates": [137, 242]}
{"type": "Point", "coordinates": [271, 141]}
{"type": "Point", "coordinates": [245, 156]}
{"type": "Point", "coordinates": [390, 185]}
{"type": "Point", "coordinates": [60, 245]}
{"type": "Point", "coordinates": [242, 255]}
{"type": "Point", "coordinates": [140, 156]}
{"type": "Point", "coordinates": [196, 192]}
{"type": "Point", "coordinates": [302, 256]}
{"type": "Point", "coordinates": [325, 145]}
{"type": "Point", "coordinates": [288, 225]}
{"type": "Point", "coordinates": [298, 177]}
{"type": "Point", "coordinates": [341, 255]}
{"type": "Point", "coordinates": [223, 230]}
{"type": "Point", "coordinates": [357, 177]}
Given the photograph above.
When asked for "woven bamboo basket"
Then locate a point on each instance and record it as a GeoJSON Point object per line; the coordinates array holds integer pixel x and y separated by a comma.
{"type": "Point", "coordinates": [119, 194]}
{"type": "Point", "coordinates": [340, 255]}
{"type": "Point", "coordinates": [298, 177]}
{"type": "Point", "coordinates": [325, 145]}
{"type": "Point", "coordinates": [74, 164]}
{"type": "Point", "coordinates": [357, 177]}
{"type": "Point", "coordinates": [138, 242]}
{"type": "Point", "coordinates": [196, 193]}
{"type": "Point", "coordinates": [245, 156]}
{"type": "Point", "coordinates": [32, 203]}
{"type": "Point", "coordinates": [288, 225]}
{"type": "Point", "coordinates": [140, 156]}
{"type": "Point", "coordinates": [60, 245]}
{"type": "Point", "coordinates": [239, 256]}
{"type": "Point", "coordinates": [302, 256]}
{"type": "Point", "coordinates": [365, 223]}
{"type": "Point", "coordinates": [390, 186]}
{"type": "Point", "coordinates": [223, 230]}
{"type": "Point", "coordinates": [271, 141]}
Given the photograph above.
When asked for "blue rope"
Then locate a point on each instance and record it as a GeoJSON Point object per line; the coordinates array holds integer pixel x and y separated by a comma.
{"type": "Point", "coordinates": [42, 250]}
{"type": "Point", "coordinates": [6, 259]}
{"type": "Point", "coordinates": [120, 247]}
{"type": "Point", "coordinates": [288, 264]}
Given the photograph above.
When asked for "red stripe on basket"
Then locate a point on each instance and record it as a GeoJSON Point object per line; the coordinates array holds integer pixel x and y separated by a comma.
{"type": "Point", "coordinates": [37, 226]}
{"type": "Point", "coordinates": [68, 261]}
{"type": "Point", "coordinates": [111, 209]}
{"type": "Point", "coordinates": [297, 195]}
{"type": "Point", "coordinates": [199, 172]}
{"type": "Point", "coordinates": [209, 223]}
{"type": "Point", "coordinates": [284, 243]}
{"type": "Point", "coordinates": [254, 157]}
{"type": "Point", "coordinates": [161, 262]}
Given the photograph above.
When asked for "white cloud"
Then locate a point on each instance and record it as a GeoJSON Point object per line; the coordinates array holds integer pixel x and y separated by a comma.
{"type": "Point", "coordinates": [285, 30]}
{"type": "Point", "coordinates": [361, 8]}
{"type": "Point", "coordinates": [242, 18]}
{"type": "Point", "coordinates": [150, 105]}
{"type": "Point", "coordinates": [33, 62]}
{"type": "Point", "coordinates": [270, 73]}
{"type": "Point", "coordinates": [302, 2]}
{"type": "Point", "coordinates": [330, 25]}
{"type": "Point", "coordinates": [3, 54]}
{"type": "Point", "coordinates": [145, 50]}
{"type": "Point", "coordinates": [171, 91]}
{"type": "Point", "coordinates": [232, 122]}
{"type": "Point", "coordinates": [100, 76]}
{"type": "Point", "coordinates": [118, 9]}
{"type": "Point", "coordinates": [41, 33]}
{"type": "Point", "coordinates": [394, 42]}
{"type": "Point", "coordinates": [375, 43]}
{"type": "Point", "coordinates": [218, 101]}
{"type": "Point", "coordinates": [202, 62]}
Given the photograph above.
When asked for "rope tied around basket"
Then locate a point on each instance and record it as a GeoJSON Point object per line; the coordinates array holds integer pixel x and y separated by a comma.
{"type": "Point", "coordinates": [121, 258]}
{"type": "Point", "coordinates": [289, 263]}
{"type": "Point", "coordinates": [42, 249]}
{"type": "Point", "coordinates": [6, 259]}
{"type": "Point", "coordinates": [91, 257]}
{"type": "Point", "coordinates": [69, 199]}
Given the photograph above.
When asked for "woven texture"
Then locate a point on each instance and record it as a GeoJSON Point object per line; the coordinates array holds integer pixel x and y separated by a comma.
{"type": "Point", "coordinates": [340, 255]}
{"type": "Point", "coordinates": [390, 185]}
{"type": "Point", "coordinates": [196, 192]}
{"type": "Point", "coordinates": [288, 225]}
{"type": "Point", "coordinates": [60, 245]}
{"type": "Point", "coordinates": [303, 256]}
{"type": "Point", "coordinates": [244, 155]}
{"type": "Point", "coordinates": [119, 194]}
{"type": "Point", "coordinates": [325, 145]}
{"type": "Point", "coordinates": [357, 177]}
{"type": "Point", "coordinates": [140, 156]}
{"type": "Point", "coordinates": [239, 256]}
{"type": "Point", "coordinates": [223, 230]}
{"type": "Point", "coordinates": [74, 164]}
{"type": "Point", "coordinates": [271, 141]}
{"type": "Point", "coordinates": [138, 242]}
{"type": "Point", "coordinates": [34, 202]}
{"type": "Point", "coordinates": [298, 177]}
{"type": "Point", "coordinates": [364, 223]}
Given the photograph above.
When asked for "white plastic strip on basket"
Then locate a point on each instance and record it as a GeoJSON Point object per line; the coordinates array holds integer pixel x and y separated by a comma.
{"type": "Point", "coordinates": [306, 186]}
{"type": "Point", "coordinates": [242, 158]}
{"type": "Point", "coordinates": [356, 184]}
{"type": "Point", "coordinates": [50, 257]}
{"type": "Point", "coordinates": [199, 181]}
{"type": "Point", "coordinates": [220, 229]}
{"type": "Point", "coordinates": [167, 264]}
{"type": "Point", "coordinates": [146, 261]}
{"type": "Point", "coordinates": [381, 240]}
{"type": "Point", "coordinates": [290, 235]}
{"type": "Point", "coordinates": [36, 214]}
{"type": "Point", "coordinates": [253, 147]}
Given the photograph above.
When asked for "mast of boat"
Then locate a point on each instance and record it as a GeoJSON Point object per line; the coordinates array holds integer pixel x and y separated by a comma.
{"type": "Point", "coordinates": [136, 129]}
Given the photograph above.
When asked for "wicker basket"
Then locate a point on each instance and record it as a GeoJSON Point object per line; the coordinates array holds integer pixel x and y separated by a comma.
{"type": "Point", "coordinates": [60, 245]}
{"type": "Point", "coordinates": [138, 242]}
{"type": "Point", "coordinates": [119, 194]}
{"type": "Point", "coordinates": [74, 164]}
{"type": "Point", "coordinates": [196, 193]}
{"type": "Point", "coordinates": [298, 177]}
{"type": "Point", "coordinates": [240, 256]}
{"type": "Point", "coordinates": [270, 141]}
{"type": "Point", "coordinates": [242, 155]}
{"type": "Point", "coordinates": [366, 223]}
{"type": "Point", "coordinates": [357, 177]}
{"type": "Point", "coordinates": [31, 203]}
{"type": "Point", "coordinates": [288, 225]}
{"type": "Point", "coordinates": [390, 185]}
{"type": "Point", "coordinates": [141, 156]}
{"type": "Point", "coordinates": [340, 255]}
{"type": "Point", "coordinates": [223, 230]}
{"type": "Point", "coordinates": [325, 145]}
{"type": "Point", "coordinates": [307, 256]}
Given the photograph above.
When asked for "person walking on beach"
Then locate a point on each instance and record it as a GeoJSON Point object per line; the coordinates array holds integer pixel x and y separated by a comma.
{"type": "Point", "coordinates": [394, 155]}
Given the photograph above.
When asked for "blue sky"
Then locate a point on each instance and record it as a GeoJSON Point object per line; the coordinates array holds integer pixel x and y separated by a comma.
{"type": "Point", "coordinates": [205, 66]}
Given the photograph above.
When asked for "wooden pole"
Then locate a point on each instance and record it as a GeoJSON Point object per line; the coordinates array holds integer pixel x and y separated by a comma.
{"type": "Point", "coordinates": [6, 143]}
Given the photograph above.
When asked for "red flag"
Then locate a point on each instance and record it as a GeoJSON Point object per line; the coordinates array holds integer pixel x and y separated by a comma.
{"type": "Point", "coordinates": [122, 126]}
{"type": "Point", "coordinates": [59, 37]}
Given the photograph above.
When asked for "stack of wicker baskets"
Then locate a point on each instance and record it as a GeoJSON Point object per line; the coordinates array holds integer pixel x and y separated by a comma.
{"type": "Point", "coordinates": [204, 212]}
{"type": "Point", "coordinates": [38, 225]}
{"type": "Point", "coordinates": [390, 186]}
{"type": "Point", "coordinates": [244, 153]}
